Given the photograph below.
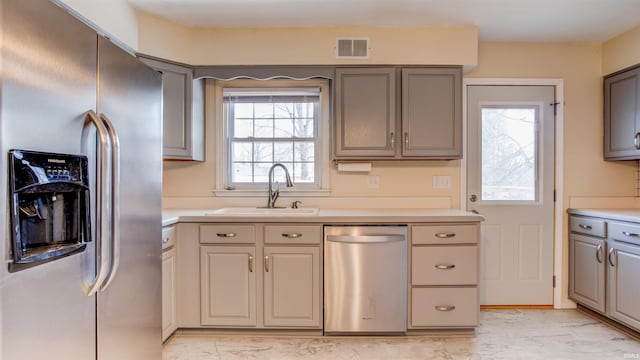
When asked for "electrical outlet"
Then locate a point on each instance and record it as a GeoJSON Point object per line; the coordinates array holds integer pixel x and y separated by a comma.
{"type": "Point", "coordinates": [441, 182]}
{"type": "Point", "coordinates": [373, 182]}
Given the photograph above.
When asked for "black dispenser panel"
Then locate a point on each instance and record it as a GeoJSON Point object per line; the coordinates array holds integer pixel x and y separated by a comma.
{"type": "Point", "coordinates": [49, 199]}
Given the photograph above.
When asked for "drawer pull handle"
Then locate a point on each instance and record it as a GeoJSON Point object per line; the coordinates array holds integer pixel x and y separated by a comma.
{"type": "Point", "coordinates": [599, 254]}
{"type": "Point", "coordinates": [165, 240]}
{"type": "Point", "coordinates": [266, 263]}
{"type": "Point", "coordinates": [226, 235]}
{"type": "Point", "coordinates": [445, 266]}
{"type": "Point", "coordinates": [630, 234]}
{"type": "Point", "coordinates": [445, 235]}
{"type": "Point", "coordinates": [445, 308]}
{"type": "Point", "coordinates": [292, 235]}
{"type": "Point", "coordinates": [586, 227]}
{"type": "Point", "coordinates": [250, 263]}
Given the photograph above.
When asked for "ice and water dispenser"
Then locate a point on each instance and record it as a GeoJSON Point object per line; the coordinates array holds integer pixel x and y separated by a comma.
{"type": "Point", "coordinates": [49, 207]}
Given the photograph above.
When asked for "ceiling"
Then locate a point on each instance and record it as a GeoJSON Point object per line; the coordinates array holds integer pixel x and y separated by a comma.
{"type": "Point", "coordinates": [496, 20]}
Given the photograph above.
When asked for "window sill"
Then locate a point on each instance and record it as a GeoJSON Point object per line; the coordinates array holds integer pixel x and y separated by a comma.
{"type": "Point", "coordinates": [263, 192]}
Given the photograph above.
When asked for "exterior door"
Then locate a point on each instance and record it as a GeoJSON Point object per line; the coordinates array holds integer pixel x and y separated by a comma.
{"type": "Point", "coordinates": [510, 171]}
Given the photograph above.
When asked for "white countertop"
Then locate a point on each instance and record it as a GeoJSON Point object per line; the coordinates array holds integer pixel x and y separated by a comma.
{"type": "Point", "coordinates": [328, 216]}
{"type": "Point", "coordinates": [631, 215]}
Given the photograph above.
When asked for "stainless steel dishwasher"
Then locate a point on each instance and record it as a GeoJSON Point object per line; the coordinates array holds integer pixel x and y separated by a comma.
{"type": "Point", "coordinates": [365, 279]}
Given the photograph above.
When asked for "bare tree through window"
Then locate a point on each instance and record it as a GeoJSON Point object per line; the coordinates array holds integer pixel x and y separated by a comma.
{"type": "Point", "coordinates": [266, 129]}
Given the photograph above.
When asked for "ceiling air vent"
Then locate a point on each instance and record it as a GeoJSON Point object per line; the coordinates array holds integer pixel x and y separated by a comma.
{"type": "Point", "coordinates": [352, 48]}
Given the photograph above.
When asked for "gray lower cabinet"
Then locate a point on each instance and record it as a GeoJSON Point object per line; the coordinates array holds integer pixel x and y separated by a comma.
{"type": "Point", "coordinates": [622, 115]}
{"type": "Point", "coordinates": [623, 259]}
{"type": "Point", "coordinates": [183, 110]}
{"type": "Point", "coordinates": [444, 276]}
{"type": "Point", "coordinates": [292, 286]}
{"type": "Point", "coordinates": [398, 112]}
{"type": "Point", "coordinates": [228, 289]}
{"type": "Point", "coordinates": [169, 282]}
{"type": "Point", "coordinates": [587, 267]}
{"type": "Point", "coordinates": [603, 272]}
{"type": "Point", "coordinates": [260, 276]}
{"type": "Point", "coordinates": [587, 271]}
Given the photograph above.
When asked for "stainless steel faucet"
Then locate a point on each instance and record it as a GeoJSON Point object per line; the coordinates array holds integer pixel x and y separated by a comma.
{"type": "Point", "coordinates": [273, 195]}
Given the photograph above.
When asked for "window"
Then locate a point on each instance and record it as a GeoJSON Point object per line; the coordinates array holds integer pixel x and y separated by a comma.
{"type": "Point", "coordinates": [509, 153]}
{"type": "Point", "coordinates": [270, 124]}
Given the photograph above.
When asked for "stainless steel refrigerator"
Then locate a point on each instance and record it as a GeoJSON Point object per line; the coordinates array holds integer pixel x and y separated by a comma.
{"type": "Point", "coordinates": [58, 79]}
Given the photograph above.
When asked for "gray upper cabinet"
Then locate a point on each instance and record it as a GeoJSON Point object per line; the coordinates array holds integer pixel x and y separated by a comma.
{"type": "Point", "coordinates": [432, 112]}
{"type": "Point", "coordinates": [365, 112]}
{"type": "Point", "coordinates": [183, 110]}
{"type": "Point", "coordinates": [622, 115]}
{"type": "Point", "coordinates": [379, 117]}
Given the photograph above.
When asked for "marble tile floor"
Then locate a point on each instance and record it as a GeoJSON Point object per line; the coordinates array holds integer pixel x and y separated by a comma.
{"type": "Point", "coordinates": [503, 334]}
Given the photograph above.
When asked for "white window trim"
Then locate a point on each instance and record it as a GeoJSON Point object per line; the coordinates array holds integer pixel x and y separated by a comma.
{"type": "Point", "coordinates": [323, 133]}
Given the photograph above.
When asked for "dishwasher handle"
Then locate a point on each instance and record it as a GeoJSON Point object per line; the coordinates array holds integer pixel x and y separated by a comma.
{"type": "Point", "coordinates": [365, 239]}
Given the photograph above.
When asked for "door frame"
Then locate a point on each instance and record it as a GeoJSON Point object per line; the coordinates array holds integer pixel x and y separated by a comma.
{"type": "Point", "coordinates": [558, 258]}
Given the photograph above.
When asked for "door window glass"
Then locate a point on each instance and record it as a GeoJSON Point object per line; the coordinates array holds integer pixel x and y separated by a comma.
{"type": "Point", "coordinates": [509, 153]}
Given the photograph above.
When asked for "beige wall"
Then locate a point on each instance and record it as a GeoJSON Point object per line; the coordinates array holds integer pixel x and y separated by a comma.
{"type": "Point", "coordinates": [116, 17]}
{"type": "Point", "coordinates": [622, 51]}
{"type": "Point", "coordinates": [301, 46]}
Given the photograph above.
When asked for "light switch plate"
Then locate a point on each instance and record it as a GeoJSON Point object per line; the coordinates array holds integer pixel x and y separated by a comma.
{"type": "Point", "coordinates": [441, 181]}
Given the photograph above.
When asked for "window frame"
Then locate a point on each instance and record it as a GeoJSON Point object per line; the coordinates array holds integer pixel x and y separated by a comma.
{"type": "Point", "coordinates": [224, 186]}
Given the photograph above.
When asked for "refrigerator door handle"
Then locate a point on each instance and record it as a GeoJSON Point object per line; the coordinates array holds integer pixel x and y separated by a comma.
{"type": "Point", "coordinates": [102, 189]}
{"type": "Point", "coordinates": [115, 200]}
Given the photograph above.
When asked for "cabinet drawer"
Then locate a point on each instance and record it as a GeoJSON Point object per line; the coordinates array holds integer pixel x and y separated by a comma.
{"type": "Point", "coordinates": [442, 307]}
{"type": "Point", "coordinates": [626, 232]}
{"type": "Point", "coordinates": [444, 265]}
{"type": "Point", "coordinates": [588, 226]}
{"type": "Point", "coordinates": [228, 234]}
{"type": "Point", "coordinates": [168, 236]}
{"type": "Point", "coordinates": [292, 234]}
{"type": "Point", "coordinates": [445, 234]}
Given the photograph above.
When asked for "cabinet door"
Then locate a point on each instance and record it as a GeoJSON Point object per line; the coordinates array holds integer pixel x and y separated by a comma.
{"type": "Point", "coordinates": [624, 287]}
{"type": "Point", "coordinates": [432, 112]}
{"type": "Point", "coordinates": [182, 109]}
{"type": "Point", "coordinates": [169, 323]}
{"type": "Point", "coordinates": [292, 286]}
{"type": "Point", "coordinates": [622, 115]}
{"type": "Point", "coordinates": [587, 271]}
{"type": "Point", "coordinates": [228, 285]}
{"type": "Point", "coordinates": [365, 112]}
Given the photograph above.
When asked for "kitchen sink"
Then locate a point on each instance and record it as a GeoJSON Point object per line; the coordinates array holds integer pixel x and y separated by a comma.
{"type": "Point", "coordinates": [247, 211]}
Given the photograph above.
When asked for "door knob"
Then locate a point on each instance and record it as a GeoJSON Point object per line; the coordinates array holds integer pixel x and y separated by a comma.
{"type": "Point", "coordinates": [473, 198]}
